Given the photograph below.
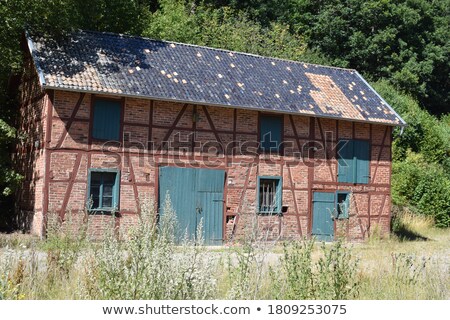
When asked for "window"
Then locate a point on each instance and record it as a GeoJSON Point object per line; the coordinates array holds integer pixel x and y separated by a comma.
{"type": "Point", "coordinates": [342, 205]}
{"type": "Point", "coordinates": [103, 190]}
{"type": "Point", "coordinates": [269, 195]}
{"type": "Point", "coordinates": [353, 161]}
{"type": "Point", "coordinates": [106, 123]}
{"type": "Point", "coordinates": [270, 128]}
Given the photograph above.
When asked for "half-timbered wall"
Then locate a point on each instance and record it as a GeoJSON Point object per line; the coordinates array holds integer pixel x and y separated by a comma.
{"type": "Point", "coordinates": [207, 136]}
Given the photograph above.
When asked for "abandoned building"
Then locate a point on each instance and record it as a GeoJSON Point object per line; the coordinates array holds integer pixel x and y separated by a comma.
{"type": "Point", "coordinates": [114, 122]}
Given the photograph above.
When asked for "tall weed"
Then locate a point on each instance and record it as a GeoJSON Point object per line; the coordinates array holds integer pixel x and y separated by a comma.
{"type": "Point", "coordinates": [333, 275]}
{"type": "Point", "coordinates": [150, 265]}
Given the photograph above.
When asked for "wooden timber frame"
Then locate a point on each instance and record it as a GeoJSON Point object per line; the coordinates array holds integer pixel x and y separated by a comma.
{"type": "Point", "coordinates": [68, 143]}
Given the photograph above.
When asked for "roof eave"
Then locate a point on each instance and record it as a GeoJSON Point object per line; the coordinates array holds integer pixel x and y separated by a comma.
{"type": "Point", "coordinates": [47, 87]}
{"type": "Point", "coordinates": [403, 123]}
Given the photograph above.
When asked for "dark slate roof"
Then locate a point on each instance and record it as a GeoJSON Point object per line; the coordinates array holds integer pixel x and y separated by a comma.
{"type": "Point", "coordinates": [133, 66]}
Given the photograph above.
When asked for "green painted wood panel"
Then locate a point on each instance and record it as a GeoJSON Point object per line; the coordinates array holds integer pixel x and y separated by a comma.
{"type": "Point", "coordinates": [362, 157]}
{"type": "Point", "coordinates": [106, 123]}
{"type": "Point", "coordinates": [353, 161]}
{"type": "Point", "coordinates": [209, 192]}
{"type": "Point", "coordinates": [196, 194]}
{"type": "Point", "coordinates": [179, 184]}
{"type": "Point", "coordinates": [345, 161]}
{"type": "Point", "coordinates": [270, 133]}
{"type": "Point", "coordinates": [323, 212]}
{"type": "Point", "coordinates": [210, 207]}
{"type": "Point", "coordinates": [210, 180]}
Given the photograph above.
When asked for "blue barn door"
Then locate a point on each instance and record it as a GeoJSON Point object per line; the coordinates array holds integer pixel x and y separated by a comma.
{"type": "Point", "coordinates": [179, 184]}
{"type": "Point", "coordinates": [323, 212]}
{"type": "Point", "coordinates": [196, 195]}
{"type": "Point", "coordinates": [209, 190]}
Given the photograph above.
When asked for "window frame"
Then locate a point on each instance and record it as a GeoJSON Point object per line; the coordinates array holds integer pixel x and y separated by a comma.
{"type": "Point", "coordinates": [356, 179]}
{"type": "Point", "coordinates": [278, 195]}
{"type": "Point", "coordinates": [280, 143]}
{"type": "Point", "coordinates": [92, 119]}
{"type": "Point", "coordinates": [346, 215]}
{"type": "Point", "coordinates": [115, 191]}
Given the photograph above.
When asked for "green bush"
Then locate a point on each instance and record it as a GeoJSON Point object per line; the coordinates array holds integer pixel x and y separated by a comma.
{"type": "Point", "coordinates": [421, 158]}
{"type": "Point", "coordinates": [424, 186]}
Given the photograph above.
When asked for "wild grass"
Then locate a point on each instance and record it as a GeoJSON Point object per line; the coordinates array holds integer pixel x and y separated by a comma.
{"type": "Point", "coordinates": [407, 226]}
{"type": "Point", "coordinates": [150, 262]}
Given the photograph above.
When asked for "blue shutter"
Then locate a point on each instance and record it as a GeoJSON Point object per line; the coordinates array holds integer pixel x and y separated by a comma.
{"type": "Point", "coordinates": [116, 191]}
{"type": "Point", "coordinates": [106, 124]}
{"type": "Point", "coordinates": [346, 162]}
{"type": "Point", "coordinates": [270, 133]}
{"type": "Point", "coordinates": [361, 152]}
{"type": "Point", "coordinates": [279, 194]}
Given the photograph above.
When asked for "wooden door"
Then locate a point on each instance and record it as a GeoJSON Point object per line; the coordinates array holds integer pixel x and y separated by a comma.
{"type": "Point", "coordinates": [323, 213]}
{"type": "Point", "coordinates": [196, 195]}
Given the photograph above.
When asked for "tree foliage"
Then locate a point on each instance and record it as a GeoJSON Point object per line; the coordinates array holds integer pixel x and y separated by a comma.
{"type": "Point", "coordinates": [223, 28]}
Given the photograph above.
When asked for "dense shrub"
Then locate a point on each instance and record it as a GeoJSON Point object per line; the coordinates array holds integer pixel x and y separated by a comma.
{"type": "Point", "coordinates": [424, 186]}
{"type": "Point", "coordinates": [421, 158]}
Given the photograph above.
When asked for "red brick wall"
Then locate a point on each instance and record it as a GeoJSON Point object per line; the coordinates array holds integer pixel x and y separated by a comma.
{"type": "Point", "coordinates": [73, 153]}
{"type": "Point", "coordinates": [30, 152]}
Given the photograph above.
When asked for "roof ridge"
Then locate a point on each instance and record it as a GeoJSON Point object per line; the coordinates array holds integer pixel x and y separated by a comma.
{"type": "Point", "coordinates": [217, 49]}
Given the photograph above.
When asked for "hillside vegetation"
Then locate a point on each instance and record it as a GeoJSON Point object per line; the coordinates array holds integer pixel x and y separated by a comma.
{"type": "Point", "coordinates": [402, 47]}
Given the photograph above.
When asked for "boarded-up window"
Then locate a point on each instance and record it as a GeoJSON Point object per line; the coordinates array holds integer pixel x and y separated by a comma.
{"type": "Point", "coordinates": [270, 133]}
{"type": "Point", "coordinates": [106, 123]}
{"type": "Point", "coordinates": [353, 160]}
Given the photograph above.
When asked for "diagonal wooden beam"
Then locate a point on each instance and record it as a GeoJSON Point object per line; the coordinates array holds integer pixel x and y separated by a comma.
{"type": "Point", "coordinates": [133, 179]}
{"type": "Point", "coordinates": [295, 202]}
{"type": "Point", "coordinates": [211, 124]}
{"type": "Point", "coordinates": [379, 154]}
{"type": "Point", "coordinates": [241, 201]}
{"type": "Point", "coordinates": [172, 127]}
{"type": "Point", "coordinates": [70, 121]}
{"type": "Point", "coordinates": [294, 129]}
{"type": "Point", "coordinates": [380, 213]}
{"type": "Point", "coordinates": [73, 176]}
